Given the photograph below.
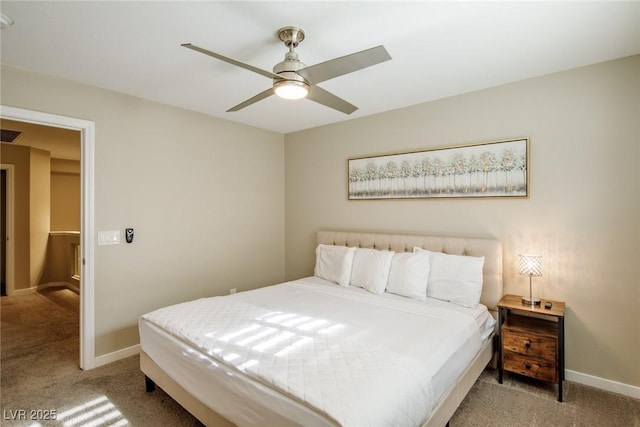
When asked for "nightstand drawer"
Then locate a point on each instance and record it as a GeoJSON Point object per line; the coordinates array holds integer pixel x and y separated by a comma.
{"type": "Point", "coordinates": [529, 344]}
{"type": "Point", "coordinates": [532, 367]}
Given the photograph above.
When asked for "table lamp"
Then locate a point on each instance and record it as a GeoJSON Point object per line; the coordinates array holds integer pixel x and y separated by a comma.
{"type": "Point", "coordinates": [530, 265]}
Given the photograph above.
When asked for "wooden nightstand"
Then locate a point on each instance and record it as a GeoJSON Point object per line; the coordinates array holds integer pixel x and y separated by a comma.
{"type": "Point", "coordinates": [531, 340]}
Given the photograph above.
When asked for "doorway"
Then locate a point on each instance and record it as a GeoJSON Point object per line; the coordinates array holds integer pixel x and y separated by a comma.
{"type": "Point", "coordinates": [87, 144]}
{"type": "Point", "coordinates": [7, 247]}
{"type": "Point", "coordinates": [3, 232]}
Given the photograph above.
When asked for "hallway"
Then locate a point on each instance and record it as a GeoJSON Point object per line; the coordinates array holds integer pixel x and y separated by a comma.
{"type": "Point", "coordinates": [40, 340]}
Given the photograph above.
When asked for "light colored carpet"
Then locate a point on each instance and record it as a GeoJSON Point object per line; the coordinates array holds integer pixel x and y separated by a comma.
{"type": "Point", "coordinates": [39, 372]}
{"type": "Point", "coordinates": [519, 401]}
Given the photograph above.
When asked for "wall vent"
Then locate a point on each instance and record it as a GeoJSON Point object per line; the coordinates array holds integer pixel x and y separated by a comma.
{"type": "Point", "coordinates": [9, 135]}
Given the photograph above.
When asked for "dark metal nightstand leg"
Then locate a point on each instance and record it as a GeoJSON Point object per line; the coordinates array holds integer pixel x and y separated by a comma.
{"type": "Point", "coordinates": [561, 362]}
{"type": "Point", "coordinates": [501, 318]}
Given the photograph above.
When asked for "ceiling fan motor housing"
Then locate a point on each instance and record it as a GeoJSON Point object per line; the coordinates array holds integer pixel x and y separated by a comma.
{"type": "Point", "coordinates": [287, 68]}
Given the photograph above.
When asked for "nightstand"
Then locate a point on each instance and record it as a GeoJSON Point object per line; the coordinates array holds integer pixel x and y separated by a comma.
{"type": "Point", "coordinates": [531, 340]}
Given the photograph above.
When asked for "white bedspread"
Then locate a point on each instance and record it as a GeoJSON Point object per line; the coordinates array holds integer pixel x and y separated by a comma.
{"type": "Point", "coordinates": [356, 358]}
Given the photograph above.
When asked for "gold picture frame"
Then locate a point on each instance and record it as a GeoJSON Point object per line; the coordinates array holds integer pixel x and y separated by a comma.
{"type": "Point", "coordinates": [489, 169]}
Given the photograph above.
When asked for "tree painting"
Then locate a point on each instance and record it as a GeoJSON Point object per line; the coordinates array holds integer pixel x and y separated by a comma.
{"type": "Point", "coordinates": [496, 169]}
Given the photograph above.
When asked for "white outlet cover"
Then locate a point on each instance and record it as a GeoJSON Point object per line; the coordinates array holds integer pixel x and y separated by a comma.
{"type": "Point", "coordinates": [109, 237]}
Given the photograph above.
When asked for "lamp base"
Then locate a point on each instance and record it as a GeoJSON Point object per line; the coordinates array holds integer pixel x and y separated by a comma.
{"type": "Point", "coordinates": [533, 302]}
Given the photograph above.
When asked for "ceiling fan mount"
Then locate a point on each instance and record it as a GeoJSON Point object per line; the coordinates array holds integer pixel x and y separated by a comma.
{"type": "Point", "coordinates": [292, 79]}
{"type": "Point", "coordinates": [291, 36]}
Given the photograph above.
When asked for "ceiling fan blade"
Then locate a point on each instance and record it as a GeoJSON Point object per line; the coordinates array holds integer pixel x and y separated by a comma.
{"type": "Point", "coordinates": [328, 99]}
{"type": "Point", "coordinates": [233, 61]}
{"type": "Point", "coordinates": [252, 100]}
{"type": "Point", "coordinates": [344, 65]}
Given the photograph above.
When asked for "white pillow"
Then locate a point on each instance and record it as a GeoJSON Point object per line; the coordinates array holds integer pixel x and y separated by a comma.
{"type": "Point", "coordinates": [409, 275]}
{"type": "Point", "coordinates": [455, 278]}
{"type": "Point", "coordinates": [333, 263]}
{"type": "Point", "coordinates": [371, 269]}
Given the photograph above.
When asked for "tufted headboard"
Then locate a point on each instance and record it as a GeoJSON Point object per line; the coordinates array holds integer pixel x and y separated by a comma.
{"type": "Point", "coordinates": [490, 249]}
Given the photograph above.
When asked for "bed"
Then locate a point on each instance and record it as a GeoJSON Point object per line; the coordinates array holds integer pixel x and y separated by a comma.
{"type": "Point", "coordinates": [316, 352]}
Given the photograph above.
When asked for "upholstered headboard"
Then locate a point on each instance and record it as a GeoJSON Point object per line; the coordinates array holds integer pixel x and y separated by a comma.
{"type": "Point", "coordinates": [490, 249]}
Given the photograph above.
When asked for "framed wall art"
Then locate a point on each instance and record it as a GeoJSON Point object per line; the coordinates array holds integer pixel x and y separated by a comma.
{"type": "Point", "coordinates": [490, 169]}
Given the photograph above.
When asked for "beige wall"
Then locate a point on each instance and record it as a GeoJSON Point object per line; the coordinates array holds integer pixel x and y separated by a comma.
{"type": "Point", "coordinates": [205, 196]}
{"type": "Point", "coordinates": [65, 195]}
{"type": "Point", "coordinates": [64, 165]}
{"type": "Point", "coordinates": [60, 259]}
{"type": "Point", "coordinates": [39, 211]}
{"type": "Point", "coordinates": [20, 157]}
{"type": "Point", "coordinates": [32, 169]}
{"type": "Point", "coordinates": [583, 215]}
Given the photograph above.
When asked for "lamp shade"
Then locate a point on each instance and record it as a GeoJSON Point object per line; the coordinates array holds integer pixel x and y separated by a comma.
{"type": "Point", "coordinates": [530, 265]}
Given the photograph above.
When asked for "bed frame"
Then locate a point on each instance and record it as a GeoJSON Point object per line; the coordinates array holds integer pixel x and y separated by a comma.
{"type": "Point", "coordinates": [491, 249]}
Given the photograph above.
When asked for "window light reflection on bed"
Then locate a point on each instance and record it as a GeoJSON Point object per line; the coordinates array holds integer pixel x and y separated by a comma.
{"type": "Point", "coordinates": [282, 336]}
{"type": "Point", "coordinates": [237, 333]}
{"type": "Point", "coordinates": [258, 335]}
{"type": "Point", "coordinates": [277, 317]}
{"type": "Point", "coordinates": [296, 344]}
{"type": "Point", "coordinates": [276, 331]}
{"type": "Point", "coordinates": [331, 329]}
{"type": "Point", "coordinates": [230, 357]}
{"type": "Point", "coordinates": [246, 365]}
{"type": "Point", "coordinates": [312, 325]}
{"type": "Point", "coordinates": [295, 321]}
{"type": "Point", "coordinates": [292, 320]}
{"type": "Point", "coordinates": [192, 353]}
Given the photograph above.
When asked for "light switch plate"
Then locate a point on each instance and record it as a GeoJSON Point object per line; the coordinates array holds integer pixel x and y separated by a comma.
{"type": "Point", "coordinates": [109, 237]}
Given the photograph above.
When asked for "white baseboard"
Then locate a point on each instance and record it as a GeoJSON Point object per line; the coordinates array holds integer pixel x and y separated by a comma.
{"type": "Point", "coordinates": [117, 355]}
{"type": "Point", "coordinates": [37, 288]}
{"type": "Point", "coordinates": [602, 383]}
{"type": "Point", "coordinates": [69, 286]}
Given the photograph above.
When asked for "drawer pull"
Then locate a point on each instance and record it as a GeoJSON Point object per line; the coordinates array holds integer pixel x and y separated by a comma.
{"type": "Point", "coordinates": [527, 344]}
{"type": "Point", "coordinates": [527, 366]}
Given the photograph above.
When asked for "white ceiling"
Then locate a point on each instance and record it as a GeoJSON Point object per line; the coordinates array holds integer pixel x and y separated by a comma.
{"type": "Point", "coordinates": [439, 49]}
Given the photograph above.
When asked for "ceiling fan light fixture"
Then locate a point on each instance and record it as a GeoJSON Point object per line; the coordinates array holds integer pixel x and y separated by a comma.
{"type": "Point", "coordinates": [291, 89]}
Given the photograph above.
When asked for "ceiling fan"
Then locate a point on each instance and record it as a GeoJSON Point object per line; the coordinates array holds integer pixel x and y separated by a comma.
{"type": "Point", "coordinates": [292, 79]}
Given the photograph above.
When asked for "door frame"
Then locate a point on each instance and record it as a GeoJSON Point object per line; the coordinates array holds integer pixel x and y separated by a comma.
{"type": "Point", "coordinates": [9, 213]}
{"type": "Point", "coordinates": [87, 167]}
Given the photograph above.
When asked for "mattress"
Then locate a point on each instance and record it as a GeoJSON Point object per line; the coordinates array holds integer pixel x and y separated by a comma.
{"type": "Point", "coordinates": [313, 353]}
